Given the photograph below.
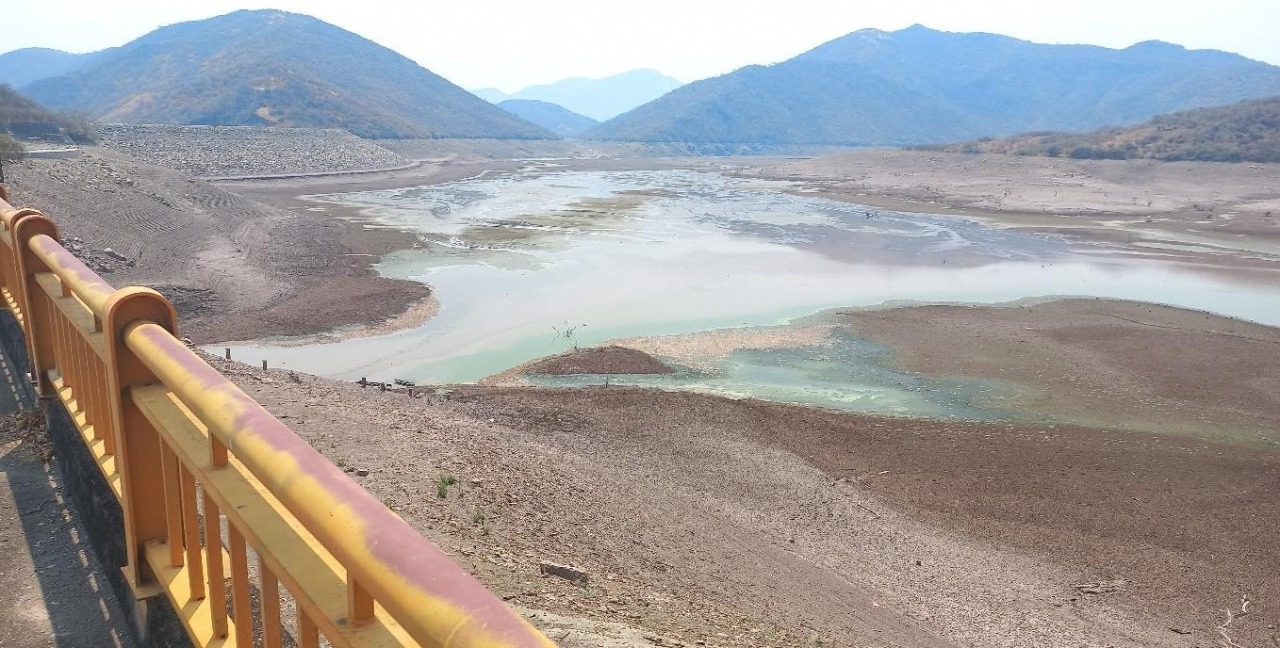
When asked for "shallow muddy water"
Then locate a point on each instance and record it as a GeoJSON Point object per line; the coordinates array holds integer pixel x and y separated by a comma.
{"type": "Point", "coordinates": [843, 371]}
{"type": "Point", "coordinates": [533, 263]}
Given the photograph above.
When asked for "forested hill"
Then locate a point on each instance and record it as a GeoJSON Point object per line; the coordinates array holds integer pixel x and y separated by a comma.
{"type": "Point", "coordinates": [274, 68]}
{"type": "Point", "coordinates": [1245, 132]}
{"type": "Point", "coordinates": [919, 85]}
{"type": "Point", "coordinates": [24, 119]}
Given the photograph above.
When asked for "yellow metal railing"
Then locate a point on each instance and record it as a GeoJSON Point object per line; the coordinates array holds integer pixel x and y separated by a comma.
{"type": "Point", "coordinates": [204, 474]}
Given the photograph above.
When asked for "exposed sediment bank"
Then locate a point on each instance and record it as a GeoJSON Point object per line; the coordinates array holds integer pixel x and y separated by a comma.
{"type": "Point", "coordinates": [746, 523]}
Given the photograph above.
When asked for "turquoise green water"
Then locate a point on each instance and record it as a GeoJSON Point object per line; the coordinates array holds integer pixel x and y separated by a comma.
{"type": "Point", "coordinates": [846, 372]}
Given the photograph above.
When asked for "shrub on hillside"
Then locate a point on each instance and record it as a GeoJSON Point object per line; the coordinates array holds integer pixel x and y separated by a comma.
{"type": "Point", "coordinates": [1245, 132]}
{"type": "Point", "coordinates": [11, 149]}
{"type": "Point", "coordinates": [23, 117]}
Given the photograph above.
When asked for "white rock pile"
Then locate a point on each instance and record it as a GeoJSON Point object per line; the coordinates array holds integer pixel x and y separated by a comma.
{"type": "Point", "coordinates": [240, 151]}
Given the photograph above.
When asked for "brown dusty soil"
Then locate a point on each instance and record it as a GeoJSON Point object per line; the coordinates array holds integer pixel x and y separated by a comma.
{"type": "Point", "coordinates": [702, 350]}
{"type": "Point", "coordinates": [752, 523]}
{"type": "Point", "coordinates": [1104, 363]}
{"type": "Point", "coordinates": [235, 268]}
{"type": "Point", "coordinates": [598, 360]}
{"type": "Point", "coordinates": [1211, 198]}
{"type": "Point", "coordinates": [1130, 205]}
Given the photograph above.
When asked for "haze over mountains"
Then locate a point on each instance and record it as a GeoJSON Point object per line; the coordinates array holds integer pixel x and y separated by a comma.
{"type": "Point", "coordinates": [553, 117]}
{"type": "Point", "coordinates": [918, 85]}
{"type": "Point", "coordinates": [599, 99]}
{"type": "Point", "coordinates": [909, 87]}
{"type": "Point", "coordinates": [20, 67]}
{"type": "Point", "coordinates": [272, 68]}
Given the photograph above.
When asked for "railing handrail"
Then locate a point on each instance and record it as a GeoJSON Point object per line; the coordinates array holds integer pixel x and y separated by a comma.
{"type": "Point", "coordinates": [420, 588]}
{"type": "Point", "coordinates": [407, 574]}
{"type": "Point", "coordinates": [92, 289]}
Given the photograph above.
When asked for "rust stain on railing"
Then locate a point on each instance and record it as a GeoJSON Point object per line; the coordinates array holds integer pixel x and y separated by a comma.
{"type": "Point", "coordinates": [163, 425]}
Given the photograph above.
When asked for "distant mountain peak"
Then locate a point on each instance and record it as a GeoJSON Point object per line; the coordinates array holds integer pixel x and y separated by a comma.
{"type": "Point", "coordinates": [553, 117]}
{"type": "Point", "coordinates": [599, 99]}
{"type": "Point", "coordinates": [874, 33]}
{"type": "Point", "coordinates": [865, 34]}
{"type": "Point", "coordinates": [646, 72]}
{"type": "Point", "coordinates": [271, 15]}
{"type": "Point", "coordinates": [23, 66]}
{"type": "Point", "coordinates": [273, 67]}
{"type": "Point", "coordinates": [918, 29]}
{"type": "Point", "coordinates": [918, 85]}
{"type": "Point", "coordinates": [1156, 45]}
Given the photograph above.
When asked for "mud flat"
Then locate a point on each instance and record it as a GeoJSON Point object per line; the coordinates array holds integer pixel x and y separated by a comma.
{"type": "Point", "coordinates": [1123, 201]}
{"type": "Point", "coordinates": [742, 522]}
{"type": "Point", "coordinates": [604, 360]}
{"type": "Point", "coordinates": [1102, 363]}
{"type": "Point", "coordinates": [747, 523]}
{"type": "Point", "coordinates": [243, 259]}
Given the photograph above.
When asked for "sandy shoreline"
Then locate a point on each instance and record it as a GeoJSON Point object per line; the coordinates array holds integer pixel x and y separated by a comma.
{"type": "Point", "coordinates": [401, 304]}
{"type": "Point", "coordinates": [1128, 204]}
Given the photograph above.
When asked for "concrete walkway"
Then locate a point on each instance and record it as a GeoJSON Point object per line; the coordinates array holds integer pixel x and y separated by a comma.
{"type": "Point", "coordinates": [52, 592]}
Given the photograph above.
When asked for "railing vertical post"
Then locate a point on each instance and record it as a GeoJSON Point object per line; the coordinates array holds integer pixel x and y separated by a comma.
{"type": "Point", "coordinates": [37, 319]}
{"type": "Point", "coordinates": [11, 275]}
{"type": "Point", "coordinates": [139, 453]}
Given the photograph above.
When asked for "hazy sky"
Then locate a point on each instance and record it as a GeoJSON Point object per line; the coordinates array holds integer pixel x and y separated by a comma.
{"type": "Point", "coordinates": [510, 44]}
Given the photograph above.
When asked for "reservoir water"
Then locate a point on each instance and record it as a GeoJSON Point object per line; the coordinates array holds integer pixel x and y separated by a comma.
{"type": "Point", "coordinates": [528, 264]}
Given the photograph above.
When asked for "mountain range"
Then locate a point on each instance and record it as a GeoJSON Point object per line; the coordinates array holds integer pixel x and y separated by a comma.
{"type": "Point", "coordinates": [20, 67]}
{"type": "Point", "coordinates": [908, 87]}
{"type": "Point", "coordinates": [553, 117]}
{"type": "Point", "coordinates": [599, 99]}
{"type": "Point", "coordinates": [272, 68]}
{"type": "Point", "coordinates": [918, 85]}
